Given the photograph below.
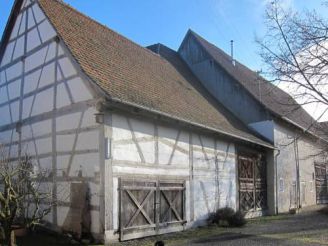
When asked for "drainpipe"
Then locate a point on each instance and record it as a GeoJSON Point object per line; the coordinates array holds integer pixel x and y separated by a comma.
{"type": "Point", "coordinates": [298, 190]}
{"type": "Point", "coordinates": [276, 179]}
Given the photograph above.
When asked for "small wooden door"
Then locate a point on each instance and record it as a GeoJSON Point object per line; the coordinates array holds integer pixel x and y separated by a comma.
{"type": "Point", "coordinates": [321, 182]}
{"type": "Point", "coordinates": [151, 207]}
{"type": "Point", "coordinates": [252, 182]}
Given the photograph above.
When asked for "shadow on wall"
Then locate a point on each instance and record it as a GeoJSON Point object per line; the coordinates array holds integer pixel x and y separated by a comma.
{"type": "Point", "coordinates": [209, 208]}
{"type": "Point", "coordinates": [78, 219]}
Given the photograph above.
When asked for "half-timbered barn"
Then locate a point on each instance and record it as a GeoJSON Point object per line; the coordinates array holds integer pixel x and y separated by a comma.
{"type": "Point", "coordinates": [137, 133]}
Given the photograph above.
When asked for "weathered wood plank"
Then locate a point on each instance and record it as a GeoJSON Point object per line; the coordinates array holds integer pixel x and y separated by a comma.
{"type": "Point", "coordinates": [140, 208]}
{"type": "Point", "coordinates": [147, 194]}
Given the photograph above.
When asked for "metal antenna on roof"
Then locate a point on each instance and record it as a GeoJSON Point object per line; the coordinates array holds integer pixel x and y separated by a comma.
{"type": "Point", "coordinates": [232, 59]}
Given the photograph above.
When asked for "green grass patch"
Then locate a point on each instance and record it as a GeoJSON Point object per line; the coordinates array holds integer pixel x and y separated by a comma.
{"type": "Point", "coordinates": [266, 219]}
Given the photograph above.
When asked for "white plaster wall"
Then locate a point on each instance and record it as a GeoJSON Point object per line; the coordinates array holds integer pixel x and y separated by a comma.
{"type": "Point", "coordinates": [214, 185]}
{"type": "Point", "coordinates": [308, 155]}
{"type": "Point", "coordinates": [47, 93]}
{"type": "Point", "coordinates": [125, 149]}
{"type": "Point", "coordinates": [286, 165]}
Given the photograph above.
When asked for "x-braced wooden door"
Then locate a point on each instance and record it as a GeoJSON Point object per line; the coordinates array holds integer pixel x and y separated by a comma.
{"type": "Point", "coordinates": [151, 207]}
{"type": "Point", "coordinates": [252, 182]}
{"type": "Point", "coordinates": [321, 182]}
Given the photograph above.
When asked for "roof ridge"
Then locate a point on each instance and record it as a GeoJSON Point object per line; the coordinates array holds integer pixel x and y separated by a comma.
{"type": "Point", "coordinates": [248, 76]}
{"type": "Point", "coordinates": [161, 45]}
{"type": "Point", "coordinates": [102, 25]}
{"type": "Point", "coordinates": [219, 49]}
{"type": "Point", "coordinates": [227, 56]}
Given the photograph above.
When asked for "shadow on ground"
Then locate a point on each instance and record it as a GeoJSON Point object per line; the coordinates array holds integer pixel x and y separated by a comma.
{"type": "Point", "coordinates": [223, 238]}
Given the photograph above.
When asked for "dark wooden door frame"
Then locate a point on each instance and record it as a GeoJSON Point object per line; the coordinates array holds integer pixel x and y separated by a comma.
{"type": "Point", "coordinates": [252, 183]}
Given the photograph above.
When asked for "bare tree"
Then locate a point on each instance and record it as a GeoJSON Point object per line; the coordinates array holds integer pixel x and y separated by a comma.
{"type": "Point", "coordinates": [295, 51]}
{"type": "Point", "coordinates": [24, 196]}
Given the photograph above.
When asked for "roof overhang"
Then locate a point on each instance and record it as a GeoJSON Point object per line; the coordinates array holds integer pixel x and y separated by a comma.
{"type": "Point", "coordinates": [109, 103]}
{"type": "Point", "coordinates": [304, 129]}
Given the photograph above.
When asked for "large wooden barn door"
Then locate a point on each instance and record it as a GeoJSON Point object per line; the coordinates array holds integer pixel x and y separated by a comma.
{"type": "Point", "coordinates": [252, 182]}
{"type": "Point", "coordinates": [321, 182]}
{"type": "Point", "coordinates": [150, 207]}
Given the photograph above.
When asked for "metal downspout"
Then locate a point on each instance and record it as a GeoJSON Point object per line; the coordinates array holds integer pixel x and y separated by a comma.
{"type": "Point", "coordinates": [276, 179]}
{"type": "Point", "coordinates": [298, 194]}
{"type": "Point", "coordinates": [297, 174]}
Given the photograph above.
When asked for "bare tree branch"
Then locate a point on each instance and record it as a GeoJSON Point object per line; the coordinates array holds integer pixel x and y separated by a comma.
{"type": "Point", "coordinates": [295, 51]}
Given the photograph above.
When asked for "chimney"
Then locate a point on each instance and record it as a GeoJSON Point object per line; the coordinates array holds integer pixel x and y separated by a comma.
{"type": "Point", "coordinates": [232, 59]}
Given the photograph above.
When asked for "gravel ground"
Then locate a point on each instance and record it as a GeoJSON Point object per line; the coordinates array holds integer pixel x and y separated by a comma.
{"type": "Point", "coordinates": [306, 228]}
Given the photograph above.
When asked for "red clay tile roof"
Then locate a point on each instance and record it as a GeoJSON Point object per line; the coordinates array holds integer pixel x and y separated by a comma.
{"type": "Point", "coordinates": [133, 74]}
{"type": "Point", "coordinates": [272, 97]}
